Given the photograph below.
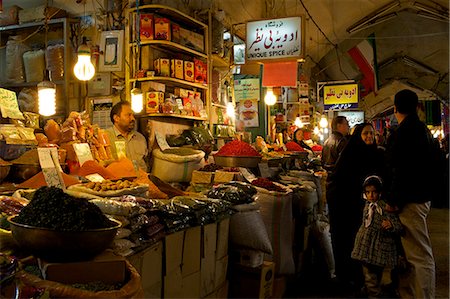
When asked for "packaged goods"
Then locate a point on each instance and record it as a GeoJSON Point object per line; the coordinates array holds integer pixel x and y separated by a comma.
{"type": "Point", "coordinates": [176, 66]}
{"type": "Point", "coordinates": [189, 71]}
{"type": "Point", "coordinates": [28, 100]}
{"type": "Point", "coordinates": [146, 26]}
{"type": "Point", "coordinates": [34, 64]}
{"type": "Point", "coordinates": [192, 39]}
{"type": "Point", "coordinates": [53, 131]}
{"type": "Point", "coordinates": [162, 28]}
{"type": "Point", "coordinates": [9, 16]}
{"type": "Point", "coordinates": [162, 67]}
{"type": "Point", "coordinates": [154, 100]}
{"type": "Point", "coordinates": [14, 62]}
{"type": "Point", "coordinates": [55, 61]}
{"type": "Point", "coordinates": [175, 32]}
{"type": "Point", "coordinates": [200, 71]}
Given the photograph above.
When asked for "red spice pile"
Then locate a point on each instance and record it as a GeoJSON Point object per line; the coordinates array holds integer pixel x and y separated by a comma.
{"type": "Point", "coordinates": [38, 181]}
{"type": "Point", "coordinates": [316, 148]}
{"type": "Point", "coordinates": [293, 146]}
{"type": "Point", "coordinates": [267, 184]}
{"type": "Point", "coordinates": [239, 149]}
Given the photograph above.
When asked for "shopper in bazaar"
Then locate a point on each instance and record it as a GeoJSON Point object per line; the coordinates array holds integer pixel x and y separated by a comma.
{"type": "Point", "coordinates": [124, 137]}
{"type": "Point", "coordinates": [377, 238]}
{"type": "Point", "coordinates": [358, 159]}
{"type": "Point", "coordinates": [412, 162]}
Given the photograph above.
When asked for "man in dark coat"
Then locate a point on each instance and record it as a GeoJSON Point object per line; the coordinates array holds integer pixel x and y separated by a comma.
{"type": "Point", "coordinates": [411, 157]}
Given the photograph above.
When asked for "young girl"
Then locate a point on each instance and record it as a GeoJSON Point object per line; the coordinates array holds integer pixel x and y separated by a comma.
{"type": "Point", "coordinates": [376, 243]}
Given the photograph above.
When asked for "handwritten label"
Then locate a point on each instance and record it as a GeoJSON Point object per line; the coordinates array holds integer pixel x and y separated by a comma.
{"type": "Point", "coordinates": [48, 159]}
{"type": "Point", "coordinates": [264, 170]}
{"type": "Point", "coordinates": [83, 152]}
{"type": "Point", "coordinates": [247, 174]}
{"type": "Point", "coordinates": [277, 38]}
{"type": "Point", "coordinates": [95, 177]}
{"type": "Point", "coordinates": [121, 149]}
{"type": "Point", "coordinates": [162, 142]}
{"type": "Point", "coordinates": [8, 104]}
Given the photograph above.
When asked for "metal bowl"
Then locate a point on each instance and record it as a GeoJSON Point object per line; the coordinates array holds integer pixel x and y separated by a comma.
{"type": "Point", "coordinates": [22, 172]}
{"type": "Point", "coordinates": [63, 246]}
{"type": "Point", "coordinates": [237, 161]}
{"type": "Point", "coordinates": [4, 170]}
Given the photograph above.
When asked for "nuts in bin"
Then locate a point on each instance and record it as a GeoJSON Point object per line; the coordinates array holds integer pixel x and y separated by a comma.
{"type": "Point", "coordinates": [108, 185]}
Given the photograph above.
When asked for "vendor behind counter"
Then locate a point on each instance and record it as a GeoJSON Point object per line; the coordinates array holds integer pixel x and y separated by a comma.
{"type": "Point", "coordinates": [124, 138]}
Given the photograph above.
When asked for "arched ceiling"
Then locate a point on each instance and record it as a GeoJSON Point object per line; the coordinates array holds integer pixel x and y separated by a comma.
{"type": "Point", "coordinates": [412, 38]}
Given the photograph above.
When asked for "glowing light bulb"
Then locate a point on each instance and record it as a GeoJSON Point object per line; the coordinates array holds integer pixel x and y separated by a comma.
{"type": "Point", "coordinates": [298, 122]}
{"type": "Point", "coordinates": [47, 98]}
{"type": "Point", "coordinates": [323, 123]}
{"type": "Point", "coordinates": [137, 100]}
{"type": "Point", "coordinates": [316, 130]}
{"type": "Point", "coordinates": [84, 70]}
{"type": "Point", "coordinates": [270, 99]}
{"type": "Point", "coordinates": [230, 110]}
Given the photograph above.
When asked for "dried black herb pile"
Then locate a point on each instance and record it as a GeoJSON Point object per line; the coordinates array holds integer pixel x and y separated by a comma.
{"type": "Point", "coordinates": [54, 209]}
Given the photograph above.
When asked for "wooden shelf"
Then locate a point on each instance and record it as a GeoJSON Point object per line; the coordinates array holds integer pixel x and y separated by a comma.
{"type": "Point", "coordinates": [170, 46]}
{"type": "Point", "coordinates": [172, 82]}
{"type": "Point", "coordinates": [27, 84]}
{"type": "Point", "coordinates": [174, 116]}
{"type": "Point", "coordinates": [33, 24]}
{"type": "Point", "coordinates": [219, 61]}
{"type": "Point", "coordinates": [218, 105]}
{"type": "Point", "coordinates": [172, 13]}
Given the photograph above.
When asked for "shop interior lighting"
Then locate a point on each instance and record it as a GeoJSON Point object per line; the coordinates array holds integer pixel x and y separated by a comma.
{"type": "Point", "coordinates": [46, 89]}
{"type": "Point", "coordinates": [316, 130]}
{"type": "Point", "coordinates": [230, 110]}
{"type": "Point", "coordinates": [418, 65]}
{"type": "Point", "coordinates": [84, 70]}
{"type": "Point", "coordinates": [430, 12]}
{"type": "Point", "coordinates": [323, 123]}
{"type": "Point", "coordinates": [298, 122]}
{"type": "Point", "coordinates": [270, 99]}
{"type": "Point", "coordinates": [375, 18]}
{"type": "Point", "coordinates": [47, 98]}
{"type": "Point", "coordinates": [137, 100]}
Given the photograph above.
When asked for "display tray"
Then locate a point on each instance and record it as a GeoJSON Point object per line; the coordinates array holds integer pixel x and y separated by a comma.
{"type": "Point", "coordinates": [138, 190]}
{"type": "Point", "coordinates": [237, 161]}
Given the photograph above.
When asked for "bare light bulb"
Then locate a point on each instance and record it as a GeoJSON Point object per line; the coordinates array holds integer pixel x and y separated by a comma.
{"type": "Point", "coordinates": [84, 70]}
{"type": "Point", "coordinates": [137, 100]}
{"type": "Point", "coordinates": [270, 99]}
{"type": "Point", "coordinates": [47, 98]}
{"type": "Point", "coordinates": [323, 123]}
{"type": "Point", "coordinates": [230, 110]}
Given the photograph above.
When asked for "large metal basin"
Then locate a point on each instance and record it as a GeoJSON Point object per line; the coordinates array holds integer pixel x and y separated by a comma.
{"type": "Point", "coordinates": [236, 161]}
{"type": "Point", "coordinates": [62, 246]}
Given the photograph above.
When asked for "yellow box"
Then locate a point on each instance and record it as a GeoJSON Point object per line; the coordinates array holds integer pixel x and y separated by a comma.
{"type": "Point", "coordinates": [162, 29]}
{"type": "Point", "coordinates": [201, 177]}
{"type": "Point", "coordinates": [162, 67]}
{"type": "Point", "coordinates": [153, 100]}
{"type": "Point", "coordinates": [176, 66]}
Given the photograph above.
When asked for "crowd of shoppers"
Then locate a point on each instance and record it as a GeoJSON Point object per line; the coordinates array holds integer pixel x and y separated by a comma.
{"type": "Point", "coordinates": [364, 227]}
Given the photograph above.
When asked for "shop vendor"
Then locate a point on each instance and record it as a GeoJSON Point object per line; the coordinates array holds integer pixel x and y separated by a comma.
{"type": "Point", "coordinates": [125, 140]}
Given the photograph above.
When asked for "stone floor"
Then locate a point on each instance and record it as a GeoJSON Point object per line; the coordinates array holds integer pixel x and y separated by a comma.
{"type": "Point", "coordinates": [314, 284]}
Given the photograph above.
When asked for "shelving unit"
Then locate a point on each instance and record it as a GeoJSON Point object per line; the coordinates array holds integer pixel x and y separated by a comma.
{"type": "Point", "coordinates": [59, 29]}
{"type": "Point", "coordinates": [165, 49]}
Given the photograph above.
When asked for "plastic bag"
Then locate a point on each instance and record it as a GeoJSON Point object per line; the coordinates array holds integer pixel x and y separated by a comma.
{"type": "Point", "coordinates": [34, 64]}
{"type": "Point", "coordinates": [14, 63]}
{"type": "Point", "coordinates": [55, 60]}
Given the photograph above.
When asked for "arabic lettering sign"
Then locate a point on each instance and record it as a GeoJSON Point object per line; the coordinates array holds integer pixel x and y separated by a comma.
{"type": "Point", "coordinates": [246, 89]}
{"type": "Point", "coordinates": [276, 38]}
{"type": "Point", "coordinates": [353, 117]}
{"type": "Point", "coordinates": [336, 97]}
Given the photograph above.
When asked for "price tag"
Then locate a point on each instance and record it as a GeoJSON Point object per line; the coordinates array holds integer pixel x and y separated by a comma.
{"type": "Point", "coordinates": [121, 149]}
{"type": "Point", "coordinates": [95, 177]}
{"type": "Point", "coordinates": [247, 174]}
{"type": "Point", "coordinates": [48, 159]}
{"type": "Point", "coordinates": [162, 142]}
{"type": "Point", "coordinates": [83, 152]}
{"type": "Point", "coordinates": [264, 170]}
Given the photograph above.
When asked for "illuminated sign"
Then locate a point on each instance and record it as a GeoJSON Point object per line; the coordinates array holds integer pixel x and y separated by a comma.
{"type": "Point", "coordinates": [272, 39]}
{"type": "Point", "coordinates": [337, 97]}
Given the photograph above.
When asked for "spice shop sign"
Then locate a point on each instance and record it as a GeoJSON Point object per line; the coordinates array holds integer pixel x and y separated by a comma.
{"type": "Point", "coordinates": [274, 39]}
{"type": "Point", "coordinates": [340, 97]}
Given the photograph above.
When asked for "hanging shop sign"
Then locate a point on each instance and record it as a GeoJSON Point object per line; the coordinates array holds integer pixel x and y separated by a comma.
{"type": "Point", "coordinates": [274, 39]}
{"type": "Point", "coordinates": [353, 117]}
{"type": "Point", "coordinates": [340, 97]}
{"type": "Point", "coordinates": [246, 93]}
